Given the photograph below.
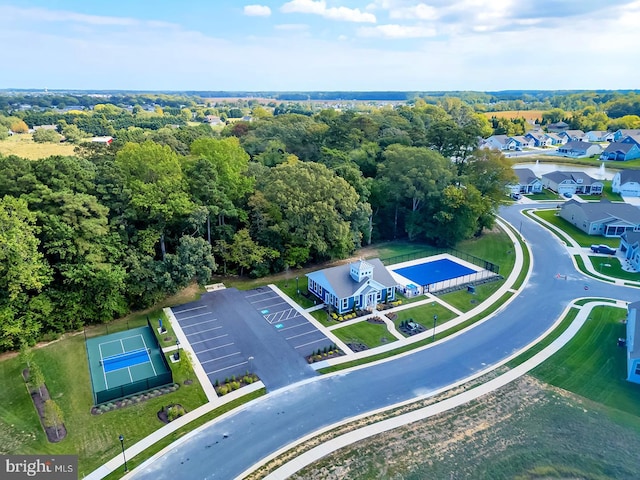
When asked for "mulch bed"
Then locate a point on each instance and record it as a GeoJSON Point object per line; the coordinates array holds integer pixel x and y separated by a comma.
{"type": "Point", "coordinates": [324, 356]}
{"type": "Point", "coordinates": [163, 414]}
{"type": "Point", "coordinates": [376, 320]}
{"type": "Point", "coordinates": [357, 347]}
{"type": "Point", "coordinates": [54, 435]}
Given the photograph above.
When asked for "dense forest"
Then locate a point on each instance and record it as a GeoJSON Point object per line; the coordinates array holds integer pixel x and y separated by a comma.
{"type": "Point", "coordinates": [87, 238]}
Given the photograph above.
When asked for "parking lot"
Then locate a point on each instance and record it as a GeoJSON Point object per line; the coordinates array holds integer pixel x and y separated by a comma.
{"type": "Point", "coordinates": [298, 332]}
{"type": "Point", "coordinates": [230, 335]}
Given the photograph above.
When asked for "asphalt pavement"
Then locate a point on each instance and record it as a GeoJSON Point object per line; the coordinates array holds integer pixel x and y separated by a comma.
{"type": "Point", "coordinates": [232, 444]}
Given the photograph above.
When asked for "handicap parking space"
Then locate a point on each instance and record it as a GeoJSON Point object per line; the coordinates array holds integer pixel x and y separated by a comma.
{"type": "Point", "coordinates": [294, 327]}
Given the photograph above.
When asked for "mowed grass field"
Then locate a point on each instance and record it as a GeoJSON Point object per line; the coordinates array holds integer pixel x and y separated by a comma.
{"type": "Point", "coordinates": [22, 145]}
{"type": "Point", "coordinates": [511, 114]}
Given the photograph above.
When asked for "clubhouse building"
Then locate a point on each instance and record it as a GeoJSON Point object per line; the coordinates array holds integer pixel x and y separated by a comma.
{"type": "Point", "coordinates": [361, 285]}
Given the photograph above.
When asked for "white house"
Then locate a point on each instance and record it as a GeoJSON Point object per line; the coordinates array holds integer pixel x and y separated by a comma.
{"type": "Point", "coordinates": [598, 136]}
{"type": "Point", "coordinates": [527, 182]}
{"type": "Point", "coordinates": [633, 343]}
{"type": "Point", "coordinates": [572, 183]}
{"type": "Point", "coordinates": [499, 142]}
{"type": "Point", "coordinates": [572, 135]}
{"type": "Point", "coordinates": [579, 149]}
{"type": "Point", "coordinates": [630, 248]}
{"type": "Point", "coordinates": [626, 183]}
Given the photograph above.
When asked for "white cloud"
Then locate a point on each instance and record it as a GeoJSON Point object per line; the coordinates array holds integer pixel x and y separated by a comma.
{"type": "Point", "coordinates": [421, 11]}
{"type": "Point", "coordinates": [319, 7]}
{"type": "Point", "coordinates": [257, 10]}
{"type": "Point", "coordinates": [397, 31]}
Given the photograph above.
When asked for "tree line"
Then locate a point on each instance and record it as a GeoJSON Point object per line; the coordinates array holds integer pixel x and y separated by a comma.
{"type": "Point", "coordinates": [89, 237]}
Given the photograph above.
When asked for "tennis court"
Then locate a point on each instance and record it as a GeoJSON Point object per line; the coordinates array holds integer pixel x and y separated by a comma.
{"type": "Point", "coordinates": [126, 363]}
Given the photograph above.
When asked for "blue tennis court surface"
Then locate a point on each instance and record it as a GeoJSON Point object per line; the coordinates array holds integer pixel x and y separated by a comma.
{"type": "Point", "coordinates": [433, 272]}
{"type": "Point", "coordinates": [124, 360]}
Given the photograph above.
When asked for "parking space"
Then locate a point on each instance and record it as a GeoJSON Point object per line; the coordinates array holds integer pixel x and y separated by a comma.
{"type": "Point", "coordinates": [227, 331]}
{"type": "Point", "coordinates": [213, 345]}
{"type": "Point", "coordinates": [296, 330]}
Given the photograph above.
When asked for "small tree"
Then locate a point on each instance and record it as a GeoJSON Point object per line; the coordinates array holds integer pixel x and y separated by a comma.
{"type": "Point", "coordinates": [53, 416]}
{"type": "Point", "coordinates": [36, 377]}
{"type": "Point", "coordinates": [26, 354]}
{"type": "Point", "coordinates": [43, 136]}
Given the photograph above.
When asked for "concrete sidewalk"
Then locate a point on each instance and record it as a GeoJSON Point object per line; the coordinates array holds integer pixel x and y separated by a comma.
{"type": "Point", "coordinates": [326, 448]}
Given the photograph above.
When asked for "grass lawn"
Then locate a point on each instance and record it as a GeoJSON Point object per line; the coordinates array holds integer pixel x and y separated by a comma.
{"type": "Point", "coordinates": [546, 194]}
{"type": "Point", "coordinates": [323, 318]}
{"type": "Point", "coordinates": [578, 235]}
{"type": "Point", "coordinates": [423, 315]}
{"type": "Point", "coordinates": [465, 301]}
{"type": "Point", "coordinates": [593, 366]}
{"type": "Point", "coordinates": [93, 437]}
{"type": "Point", "coordinates": [611, 266]}
{"type": "Point", "coordinates": [370, 334]}
{"type": "Point", "coordinates": [22, 145]}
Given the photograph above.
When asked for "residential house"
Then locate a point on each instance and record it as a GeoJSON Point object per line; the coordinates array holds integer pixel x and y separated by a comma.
{"type": "Point", "coordinates": [540, 139]}
{"type": "Point", "coordinates": [630, 248]}
{"type": "Point", "coordinates": [626, 149]}
{"type": "Point", "coordinates": [598, 136]}
{"type": "Point", "coordinates": [499, 142]}
{"type": "Point", "coordinates": [577, 148]}
{"type": "Point", "coordinates": [359, 285]}
{"type": "Point", "coordinates": [213, 120]}
{"type": "Point", "coordinates": [104, 140]}
{"type": "Point", "coordinates": [527, 182]}
{"type": "Point", "coordinates": [633, 343]}
{"type": "Point", "coordinates": [623, 132]}
{"type": "Point", "coordinates": [572, 135]}
{"type": "Point", "coordinates": [626, 183]}
{"type": "Point", "coordinates": [602, 218]}
{"type": "Point", "coordinates": [557, 126]}
{"type": "Point", "coordinates": [522, 142]}
{"type": "Point", "coordinates": [572, 183]}
{"type": "Point", "coordinates": [556, 139]}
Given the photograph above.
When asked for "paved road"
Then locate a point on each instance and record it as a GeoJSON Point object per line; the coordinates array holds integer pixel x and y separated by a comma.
{"type": "Point", "coordinates": [234, 443]}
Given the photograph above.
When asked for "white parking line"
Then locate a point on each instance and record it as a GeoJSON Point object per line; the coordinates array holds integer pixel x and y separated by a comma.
{"type": "Point", "coordinates": [270, 293]}
{"type": "Point", "coordinates": [323, 339]}
{"type": "Point", "coordinates": [188, 309]}
{"type": "Point", "coordinates": [220, 358]}
{"type": "Point", "coordinates": [215, 348]}
{"type": "Point", "coordinates": [227, 368]}
{"type": "Point", "coordinates": [194, 316]}
{"type": "Point", "coordinates": [273, 305]}
{"type": "Point", "coordinates": [294, 326]}
{"type": "Point", "coordinates": [266, 299]}
{"type": "Point", "coordinates": [206, 340]}
{"type": "Point", "coordinates": [202, 331]}
{"type": "Point", "coordinates": [302, 334]}
{"type": "Point", "coordinates": [199, 323]}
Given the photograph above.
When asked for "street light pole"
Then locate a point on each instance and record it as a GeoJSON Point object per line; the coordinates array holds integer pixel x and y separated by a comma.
{"type": "Point", "coordinates": [121, 437]}
{"type": "Point", "coordinates": [178, 352]}
{"type": "Point", "coordinates": [297, 288]}
{"type": "Point", "coordinates": [250, 359]}
{"type": "Point", "coordinates": [435, 319]}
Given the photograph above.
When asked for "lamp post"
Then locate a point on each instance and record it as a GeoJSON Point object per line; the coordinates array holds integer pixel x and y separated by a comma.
{"type": "Point", "coordinates": [435, 320]}
{"type": "Point", "coordinates": [178, 352]}
{"type": "Point", "coordinates": [250, 359]}
{"type": "Point", "coordinates": [297, 288]}
{"type": "Point", "coordinates": [121, 437]}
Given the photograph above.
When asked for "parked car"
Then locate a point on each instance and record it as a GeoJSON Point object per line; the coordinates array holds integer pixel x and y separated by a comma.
{"type": "Point", "coordinates": [516, 196]}
{"type": "Point", "coordinates": [603, 249]}
{"type": "Point", "coordinates": [567, 195]}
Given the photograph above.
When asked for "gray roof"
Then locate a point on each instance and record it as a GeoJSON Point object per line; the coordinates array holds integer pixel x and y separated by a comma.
{"type": "Point", "coordinates": [605, 209]}
{"type": "Point", "coordinates": [576, 145]}
{"type": "Point", "coordinates": [558, 177]}
{"type": "Point", "coordinates": [635, 138]}
{"type": "Point", "coordinates": [573, 133]}
{"type": "Point", "coordinates": [525, 176]}
{"type": "Point", "coordinates": [618, 147]}
{"type": "Point", "coordinates": [631, 237]}
{"type": "Point", "coordinates": [339, 280]}
{"type": "Point", "coordinates": [629, 175]}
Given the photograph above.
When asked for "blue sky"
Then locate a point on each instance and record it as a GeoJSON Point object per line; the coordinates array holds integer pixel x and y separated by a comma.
{"type": "Point", "coordinates": [320, 44]}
